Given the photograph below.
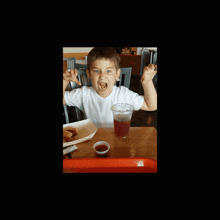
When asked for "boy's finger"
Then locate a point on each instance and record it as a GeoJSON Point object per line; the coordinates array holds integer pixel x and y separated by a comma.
{"type": "Point", "coordinates": [65, 75]}
{"type": "Point", "coordinates": [76, 71]}
{"type": "Point", "coordinates": [71, 71]}
{"type": "Point", "coordinates": [79, 83]}
{"type": "Point", "coordinates": [145, 68]}
{"type": "Point", "coordinates": [151, 66]}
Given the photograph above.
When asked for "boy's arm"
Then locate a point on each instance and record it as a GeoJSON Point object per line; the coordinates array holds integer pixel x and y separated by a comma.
{"type": "Point", "coordinates": [150, 94]}
{"type": "Point", "coordinates": [65, 83]}
{"type": "Point", "coordinates": [67, 77]}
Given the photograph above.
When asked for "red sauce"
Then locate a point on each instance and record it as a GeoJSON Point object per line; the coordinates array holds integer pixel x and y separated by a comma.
{"type": "Point", "coordinates": [122, 127]}
{"type": "Point", "coordinates": [101, 148]}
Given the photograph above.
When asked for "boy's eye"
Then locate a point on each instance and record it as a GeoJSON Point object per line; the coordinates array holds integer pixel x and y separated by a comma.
{"type": "Point", "coordinates": [108, 71]}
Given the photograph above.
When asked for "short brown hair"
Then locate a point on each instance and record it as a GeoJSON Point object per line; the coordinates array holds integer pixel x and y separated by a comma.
{"type": "Point", "coordinates": [103, 52]}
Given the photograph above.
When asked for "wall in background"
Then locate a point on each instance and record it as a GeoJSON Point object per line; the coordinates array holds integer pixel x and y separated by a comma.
{"type": "Point", "coordinates": [78, 52]}
{"type": "Point", "coordinates": [77, 49]}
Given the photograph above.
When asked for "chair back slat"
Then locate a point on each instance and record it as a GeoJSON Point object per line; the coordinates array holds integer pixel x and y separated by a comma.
{"type": "Point", "coordinates": [155, 58]}
{"type": "Point", "coordinates": [145, 60]}
{"type": "Point", "coordinates": [126, 73]}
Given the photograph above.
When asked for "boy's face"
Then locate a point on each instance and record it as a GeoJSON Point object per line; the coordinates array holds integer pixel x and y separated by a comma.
{"type": "Point", "coordinates": [103, 75]}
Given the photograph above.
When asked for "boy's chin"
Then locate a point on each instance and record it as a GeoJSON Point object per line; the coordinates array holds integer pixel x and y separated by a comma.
{"type": "Point", "coordinates": [103, 92]}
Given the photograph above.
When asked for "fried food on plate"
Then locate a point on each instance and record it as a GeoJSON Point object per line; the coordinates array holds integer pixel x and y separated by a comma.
{"type": "Point", "coordinates": [69, 134]}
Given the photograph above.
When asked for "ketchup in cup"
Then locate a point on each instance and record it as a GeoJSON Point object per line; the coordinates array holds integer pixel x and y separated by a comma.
{"type": "Point", "coordinates": [101, 148]}
{"type": "Point", "coordinates": [122, 114]}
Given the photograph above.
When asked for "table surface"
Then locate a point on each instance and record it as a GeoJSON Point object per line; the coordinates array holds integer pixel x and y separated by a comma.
{"type": "Point", "coordinates": [140, 142]}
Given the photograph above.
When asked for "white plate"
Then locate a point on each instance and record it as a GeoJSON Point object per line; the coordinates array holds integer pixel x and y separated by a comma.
{"type": "Point", "coordinates": [86, 131]}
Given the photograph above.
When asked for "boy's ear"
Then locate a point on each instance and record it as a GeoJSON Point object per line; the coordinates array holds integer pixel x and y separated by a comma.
{"type": "Point", "coordinates": [118, 74]}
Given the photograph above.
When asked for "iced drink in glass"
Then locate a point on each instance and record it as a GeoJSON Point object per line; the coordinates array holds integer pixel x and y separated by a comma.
{"type": "Point", "coordinates": [122, 114]}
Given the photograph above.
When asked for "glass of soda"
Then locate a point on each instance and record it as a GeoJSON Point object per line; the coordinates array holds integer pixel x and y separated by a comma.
{"type": "Point", "coordinates": [122, 113]}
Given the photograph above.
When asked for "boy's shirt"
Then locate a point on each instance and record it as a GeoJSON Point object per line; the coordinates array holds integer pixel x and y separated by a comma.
{"type": "Point", "coordinates": [97, 108]}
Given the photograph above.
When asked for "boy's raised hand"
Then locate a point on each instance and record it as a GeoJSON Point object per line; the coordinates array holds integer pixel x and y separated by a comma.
{"type": "Point", "coordinates": [71, 76]}
{"type": "Point", "coordinates": [148, 73]}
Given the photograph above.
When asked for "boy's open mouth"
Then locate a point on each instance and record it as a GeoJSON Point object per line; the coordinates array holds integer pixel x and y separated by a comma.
{"type": "Point", "coordinates": [103, 86]}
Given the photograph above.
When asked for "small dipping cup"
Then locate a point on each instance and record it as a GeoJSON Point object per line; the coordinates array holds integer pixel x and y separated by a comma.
{"type": "Point", "coordinates": [100, 151]}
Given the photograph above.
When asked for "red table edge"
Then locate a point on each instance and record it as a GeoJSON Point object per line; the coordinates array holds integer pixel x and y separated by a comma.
{"type": "Point", "coordinates": [119, 164]}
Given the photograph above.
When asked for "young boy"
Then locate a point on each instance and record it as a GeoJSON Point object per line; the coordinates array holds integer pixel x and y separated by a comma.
{"type": "Point", "coordinates": [96, 101]}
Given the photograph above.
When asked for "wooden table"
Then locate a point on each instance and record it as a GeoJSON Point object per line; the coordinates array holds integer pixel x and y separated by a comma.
{"type": "Point", "coordinates": [141, 142]}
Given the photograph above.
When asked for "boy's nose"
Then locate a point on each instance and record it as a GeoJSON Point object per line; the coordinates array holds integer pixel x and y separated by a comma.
{"type": "Point", "coordinates": [102, 75]}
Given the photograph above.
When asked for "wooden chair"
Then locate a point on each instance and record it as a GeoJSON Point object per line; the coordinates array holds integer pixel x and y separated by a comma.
{"type": "Point", "coordinates": [84, 79]}
{"type": "Point", "coordinates": [82, 76]}
{"type": "Point", "coordinates": [80, 66]}
{"type": "Point", "coordinates": [155, 58]}
{"type": "Point", "coordinates": [145, 60]}
{"type": "Point", "coordinates": [126, 75]}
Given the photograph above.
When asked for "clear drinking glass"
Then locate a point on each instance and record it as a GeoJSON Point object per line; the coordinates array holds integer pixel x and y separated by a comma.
{"type": "Point", "coordinates": [122, 114]}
